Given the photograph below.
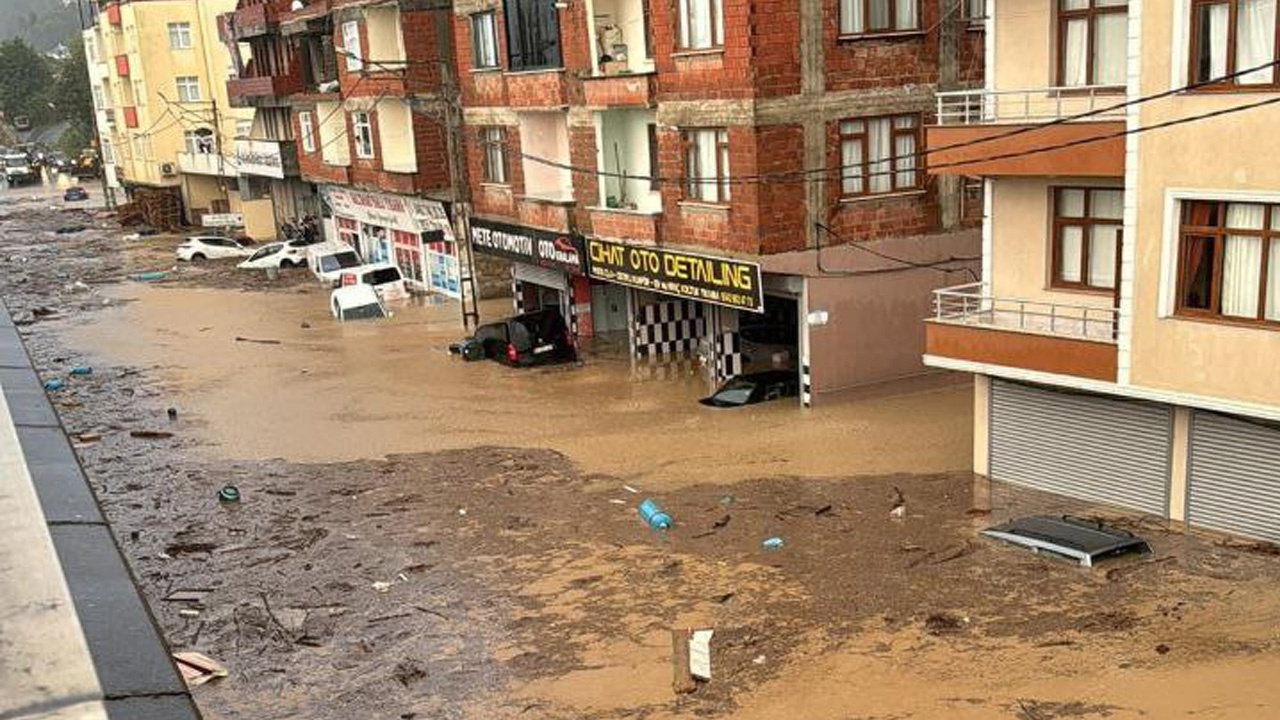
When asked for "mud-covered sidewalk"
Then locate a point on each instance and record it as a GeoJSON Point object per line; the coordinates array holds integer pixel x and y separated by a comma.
{"type": "Point", "coordinates": [492, 565]}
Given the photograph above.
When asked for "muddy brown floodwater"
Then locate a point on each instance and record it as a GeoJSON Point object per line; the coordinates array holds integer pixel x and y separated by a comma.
{"type": "Point", "coordinates": [423, 538]}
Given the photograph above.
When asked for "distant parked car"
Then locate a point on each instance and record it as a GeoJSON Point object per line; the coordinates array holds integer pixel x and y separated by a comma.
{"type": "Point", "coordinates": [754, 388]}
{"type": "Point", "coordinates": [328, 260]}
{"type": "Point", "coordinates": [58, 162]}
{"type": "Point", "coordinates": [385, 278]}
{"type": "Point", "coordinates": [212, 247]}
{"type": "Point", "coordinates": [75, 194]}
{"type": "Point", "coordinates": [536, 338]}
{"type": "Point", "coordinates": [356, 302]}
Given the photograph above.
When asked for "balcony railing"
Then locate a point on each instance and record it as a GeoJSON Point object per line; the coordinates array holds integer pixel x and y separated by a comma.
{"type": "Point", "coordinates": [976, 107]}
{"type": "Point", "coordinates": [975, 305]}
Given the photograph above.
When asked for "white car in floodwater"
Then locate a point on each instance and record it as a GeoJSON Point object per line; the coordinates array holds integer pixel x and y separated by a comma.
{"type": "Point", "coordinates": [276, 255]}
{"type": "Point", "coordinates": [212, 247]}
{"type": "Point", "coordinates": [328, 261]}
{"type": "Point", "coordinates": [385, 278]}
{"type": "Point", "coordinates": [356, 302]}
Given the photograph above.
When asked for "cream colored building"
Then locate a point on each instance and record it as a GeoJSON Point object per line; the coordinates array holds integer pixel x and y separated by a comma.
{"type": "Point", "coordinates": [1124, 338]}
{"type": "Point", "coordinates": [170, 122]}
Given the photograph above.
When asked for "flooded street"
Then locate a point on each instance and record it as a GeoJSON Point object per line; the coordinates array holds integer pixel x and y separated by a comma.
{"type": "Point", "coordinates": [423, 538]}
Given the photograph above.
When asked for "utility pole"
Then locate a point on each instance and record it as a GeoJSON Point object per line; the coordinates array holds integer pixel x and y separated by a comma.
{"type": "Point", "coordinates": [459, 185]}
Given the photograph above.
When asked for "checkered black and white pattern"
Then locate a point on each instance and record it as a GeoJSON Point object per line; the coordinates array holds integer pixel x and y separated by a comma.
{"type": "Point", "coordinates": [729, 356]}
{"type": "Point", "coordinates": [573, 312]}
{"type": "Point", "coordinates": [517, 295]}
{"type": "Point", "coordinates": [666, 368]}
{"type": "Point", "coordinates": [806, 386]}
{"type": "Point", "coordinates": [668, 329]}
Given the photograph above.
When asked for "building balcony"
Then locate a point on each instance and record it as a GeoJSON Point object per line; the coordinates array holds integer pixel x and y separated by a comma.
{"type": "Point", "coordinates": [113, 13]}
{"type": "Point", "coordinates": [122, 65]}
{"type": "Point", "coordinates": [206, 164]}
{"type": "Point", "coordinates": [537, 89]}
{"type": "Point", "coordinates": [546, 213]}
{"type": "Point", "coordinates": [633, 226]}
{"type": "Point", "coordinates": [973, 325]}
{"type": "Point", "coordinates": [258, 19]}
{"type": "Point", "coordinates": [612, 91]}
{"type": "Point", "coordinates": [263, 91]}
{"type": "Point", "coordinates": [989, 132]}
{"type": "Point", "coordinates": [309, 19]}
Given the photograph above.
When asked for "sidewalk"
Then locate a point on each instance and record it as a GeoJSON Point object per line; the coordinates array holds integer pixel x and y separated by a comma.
{"type": "Point", "coordinates": [76, 639]}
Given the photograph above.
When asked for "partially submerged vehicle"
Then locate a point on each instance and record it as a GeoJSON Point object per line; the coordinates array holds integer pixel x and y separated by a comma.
{"type": "Point", "coordinates": [754, 388]}
{"type": "Point", "coordinates": [1082, 540]}
{"type": "Point", "coordinates": [536, 338]}
{"type": "Point", "coordinates": [328, 260]}
{"type": "Point", "coordinates": [356, 302]}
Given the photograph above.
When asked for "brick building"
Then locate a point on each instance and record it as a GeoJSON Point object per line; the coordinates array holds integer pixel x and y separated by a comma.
{"type": "Point", "coordinates": [707, 177]}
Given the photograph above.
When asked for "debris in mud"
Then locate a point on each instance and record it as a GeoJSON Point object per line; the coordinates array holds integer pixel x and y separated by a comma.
{"type": "Point", "coordinates": [150, 434]}
{"type": "Point", "coordinates": [899, 509]}
{"type": "Point", "coordinates": [1254, 547]}
{"type": "Point", "coordinates": [773, 543]}
{"type": "Point", "coordinates": [1162, 649]}
{"type": "Point", "coordinates": [198, 669]}
{"type": "Point", "coordinates": [408, 672]}
{"type": "Point", "coordinates": [229, 494]}
{"type": "Point", "coordinates": [653, 515]}
{"type": "Point", "coordinates": [54, 384]}
{"type": "Point", "coordinates": [191, 548]}
{"type": "Point", "coordinates": [173, 414]}
{"type": "Point", "coordinates": [945, 623]}
{"type": "Point", "coordinates": [192, 595]}
{"type": "Point", "coordinates": [258, 341]}
{"type": "Point", "coordinates": [1052, 710]}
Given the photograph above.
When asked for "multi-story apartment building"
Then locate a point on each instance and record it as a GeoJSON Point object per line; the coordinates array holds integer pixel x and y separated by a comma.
{"type": "Point", "coordinates": [104, 114]}
{"type": "Point", "coordinates": [1124, 333]}
{"type": "Point", "coordinates": [169, 124]}
{"type": "Point", "coordinates": [710, 178]}
{"type": "Point", "coordinates": [367, 84]}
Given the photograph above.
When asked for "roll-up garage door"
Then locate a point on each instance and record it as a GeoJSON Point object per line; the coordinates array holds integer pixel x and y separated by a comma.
{"type": "Point", "coordinates": [546, 277]}
{"type": "Point", "coordinates": [1234, 476]}
{"type": "Point", "coordinates": [1091, 447]}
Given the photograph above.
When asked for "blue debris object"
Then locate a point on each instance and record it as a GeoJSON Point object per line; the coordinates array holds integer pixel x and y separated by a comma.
{"type": "Point", "coordinates": [653, 515]}
{"type": "Point", "coordinates": [153, 276]}
{"type": "Point", "coordinates": [773, 543]}
{"type": "Point", "coordinates": [82, 370]}
{"type": "Point", "coordinates": [53, 384]}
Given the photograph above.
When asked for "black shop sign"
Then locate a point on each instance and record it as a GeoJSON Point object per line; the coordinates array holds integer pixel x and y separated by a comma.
{"type": "Point", "coordinates": [528, 245]}
{"type": "Point", "coordinates": [716, 280]}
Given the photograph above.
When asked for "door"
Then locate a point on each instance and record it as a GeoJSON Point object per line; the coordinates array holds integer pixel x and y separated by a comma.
{"type": "Point", "coordinates": [1233, 476]}
{"type": "Point", "coordinates": [609, 308]}
{"type": "Point", "coordinates": [1092, 447]}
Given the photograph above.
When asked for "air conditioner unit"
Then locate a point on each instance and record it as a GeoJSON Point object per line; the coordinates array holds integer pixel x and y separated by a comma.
{"type": "Point", "coordinates": [168, 169]}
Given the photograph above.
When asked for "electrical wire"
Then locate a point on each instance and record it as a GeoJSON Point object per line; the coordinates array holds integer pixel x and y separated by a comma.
{"type": "Point", "coordinates": [936, 265]}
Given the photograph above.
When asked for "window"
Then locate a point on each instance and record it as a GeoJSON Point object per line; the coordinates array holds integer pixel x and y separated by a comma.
{"type": "Point", "coordinates": [1222, 46]}
{"type": "Point", "coordinates": [1229, 261]}
{"type": "Point", "coordinates": [179, 36]}
{"type": "Point", "coordinates": [707, 165]}
{"type": "Point", "coordinates": [701, 24]}
{"type": "Point", "coordinates": [99, 101]}
{"type": "Point", "coordinates": [188, 89]}
{"type": "Point", "coordinates": [493, 141]}
{"type": "Point", "coordinates": [484, 40]}
{"type": "Point", "coordinates": [652, 136]}
{"type": "Point", "coordinates": [879, 155]}
{"type": "Point", "coordinates": [1092, 40]}
{"type": "Point", "coordinates": [1087, 225]}
{"type": "Point", "coordinates": [873, 17]}
{"type": "Point", "coordinates": [363, 129]}
{"type": "Point", "coordinates": [91, 49]}
{"type": "Point", "coordinates": [108, 156]}
{"type": "Point", "coordinates": [975, 11]}
{"type": "Point", "coordinates": [244, 129]}
{"type": "Point", "coordinates": [140, 92]}
{"type": "Point", "coordinates": [198, 142]}
{"type": "Point", "coordinates": [351, 46]}
{"type": "Point", "coordinates": [533, 34]}
{"type": "Point", "coordinates": [308, 130]}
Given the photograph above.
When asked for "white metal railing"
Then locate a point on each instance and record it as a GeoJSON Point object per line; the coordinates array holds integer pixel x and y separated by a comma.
{"type": "Point", "coordinates": [973, 107]}
{"type": "Point", "coordinates": [974, 304]}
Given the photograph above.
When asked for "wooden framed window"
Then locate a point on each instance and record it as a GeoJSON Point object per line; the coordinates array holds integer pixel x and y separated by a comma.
{"type": "Point", "coordinates": [707, 165]}
{"type": "Point", "coordinates": [484, 40]}
{"type": "Point", "coordinates": [362, 128]}
{"type": "Point", "coordinates": [533, 34]}
{"type": "Point", "coordinates": [307, 128]}
{"type": "Point", "coordinates": [880, 155]}
{"type": "Point", "coordinates": [1087, 227]}
{"type": "Point", "coordinates": [879, 17]}
{"type": "Point", "coordinates": [351, 48]}
{"type": "Point", "coordinates": [1230, 36]}
{"type": "Point", "coordinates": [493, 143]}
{"type": "Point", "coordinates": [1092, 42]}
{"type": "Point", "coordinates": [974, 11]}
{"type": "Point", "coordinates": [1229, 261]}
{"type": "Point", "coordinates": [701, 24]}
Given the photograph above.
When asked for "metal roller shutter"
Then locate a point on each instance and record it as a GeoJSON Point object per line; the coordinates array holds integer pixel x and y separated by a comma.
{"type": "Point", "coordinates": [546, 277]}
{"type": "Point", "coordinates": [1234, 476]}
{"type": "Point", "coordinates": [1084, 446]}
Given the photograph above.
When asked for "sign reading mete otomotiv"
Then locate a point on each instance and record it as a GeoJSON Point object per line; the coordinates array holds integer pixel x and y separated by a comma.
{"type": "Point", "coordinates": [528, 245]}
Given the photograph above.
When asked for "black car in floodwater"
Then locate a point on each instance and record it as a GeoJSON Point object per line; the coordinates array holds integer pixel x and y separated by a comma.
{"type": "Point", "coordinates": [536, 338]}
{"type": "Point", "coordinates": [755, 388]}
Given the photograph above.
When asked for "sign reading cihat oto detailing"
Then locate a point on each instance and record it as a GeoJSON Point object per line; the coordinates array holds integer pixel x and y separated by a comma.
{"type": "Point", "coordinates": [528, 245]}
{"type": "Point", "coordinates": [716, 280]}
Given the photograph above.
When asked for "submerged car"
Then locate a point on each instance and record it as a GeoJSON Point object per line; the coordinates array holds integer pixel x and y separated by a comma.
{"type": "Point", "coordinates": [1085, 541]}
{"type": "Point", "coordinates": [276, 255]}
{"type": "Point", "coordinates": [754, 388]}
{"type": "Point", "coordinates": [536, 338]}
{"type": "Point", "coordinates": [384, 278]}
{"type": "Point", "coordinates": [212, 247]}
{"type": "Point", "coordinates": [327, 261]}
{"type": "Point", "coordinates": [75, 194]}
{"type": "Point", "coordinates": [356, 302]}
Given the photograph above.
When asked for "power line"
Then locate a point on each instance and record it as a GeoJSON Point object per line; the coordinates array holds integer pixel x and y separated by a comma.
{"type": "Point", "coordinates": [935, 265]}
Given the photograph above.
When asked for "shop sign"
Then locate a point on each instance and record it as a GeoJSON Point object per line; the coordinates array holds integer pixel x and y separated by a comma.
{"type": "Point", "coordinates": [716, 280]}
{"type": "Point", "coordinates": [528, 245]}
{"type": "Point", "coordinates": [398, 212]}
{"type": "Point", "coordinates": [222, 220]}
{"type": "Point", "coordinates": [259, 157]}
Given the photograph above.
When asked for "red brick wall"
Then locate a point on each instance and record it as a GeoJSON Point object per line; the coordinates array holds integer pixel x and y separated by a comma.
{"type": "Point", "coordinates": [776, 29]}
{"type": "Point", "coordinates": [734, 228]}
{"type": "Point", "coordinates": [539, 89]}
{"type": "Point", "coordinates": [867, 62]}
{"type": "Point", "coordinates": [365, 171]}
{"type": "Point", "coordinates": [720, 75]}
{"type": "Point", "coordinates": [549, 216]}
{"type": "Point", "coordinates": [534, 89]}
{"type": "Point", "coordinates": [782, 206]}
{"type": "Point", "coordinates": [431, 144]}
{"type": "Point", "coordinates": [910, 213]}
{"type": "Point", "coordinates": [633, 227]}
{"type": "Point", "coordinates": [586, 185]}
{"type": "Point", "coordinates": [312, 164]}
{"type": "Point", "coordinates": [422, 49]}
{"type": "Point", "coordinates": [487, 199]}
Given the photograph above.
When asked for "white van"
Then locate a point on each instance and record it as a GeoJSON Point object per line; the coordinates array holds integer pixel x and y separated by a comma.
{"type": "Point", "coordinates": [328, 260]}
{"type": "Point", "coordinates": [382, 277]}
{"type": "Point", "coordinates": [356, 302]}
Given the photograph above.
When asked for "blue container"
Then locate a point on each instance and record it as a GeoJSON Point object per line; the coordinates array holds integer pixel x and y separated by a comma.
{"type": "Point", "coordinates": [82, 370]}
{"type": "Point", "coordinates": [653, 515]}
{"type": "Point", "coordinates": [773, 543]}
{"type": "Point", "coordinates": [153, 276]}
{"type": "Point", "coordinates": [53, 384]}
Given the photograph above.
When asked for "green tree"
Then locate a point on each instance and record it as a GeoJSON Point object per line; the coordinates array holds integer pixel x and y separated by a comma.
{"type": "Point", "coordinates": [72, 97]}
{"type": "Point", "coordinates": [25, 81]}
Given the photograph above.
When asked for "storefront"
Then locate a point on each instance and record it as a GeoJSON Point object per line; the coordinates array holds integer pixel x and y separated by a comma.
{"type": "Point", "coordinates": [413, 233]}
{"type": "Point", "coordinates": [547, 268]}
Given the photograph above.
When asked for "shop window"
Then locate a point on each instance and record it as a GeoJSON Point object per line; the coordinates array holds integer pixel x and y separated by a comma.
{"type": "Point", "coordinates": [707, 165]}
{"type": "Point", "coordinates": [1229, 261]}
{"type": "Point", "coordinates": [1221, 46]}
{"type": "Point", "coordinates": [533, 34]}
{"type": "Point", "coordinates": [879, 17]}
{"type": "Point", "coordinates": [880, 155]}
{"type": "Point", "coordinates": [1087, 226]}
{"type": "Point", "coordinates": [701, 24]}
{"type": "Point", "coordinates": [1092, 42]}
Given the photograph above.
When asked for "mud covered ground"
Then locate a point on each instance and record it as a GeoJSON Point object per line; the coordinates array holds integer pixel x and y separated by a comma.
{"type": "Point", "coordinates": [507, 576]}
